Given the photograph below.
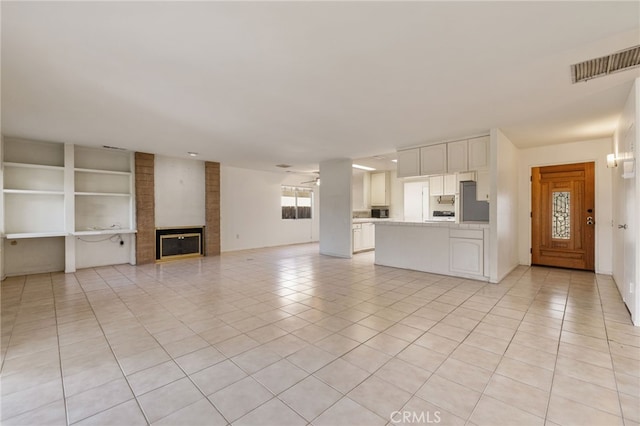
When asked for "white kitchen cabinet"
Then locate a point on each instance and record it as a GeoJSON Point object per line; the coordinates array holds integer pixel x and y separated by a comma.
{"type": "Point", "coordinates": [479, 153]}
{"type": "Point", "coordinates": [433, 159]}
{"type": "Point", "coordinates": [466, 252]}
{"type": "Point", "coordinates": [364, 236]}
{"type": "Point", "coordinates": [483, 186]}
{"type": "Point", "coordinates": [436, 185]}
{"type": "Point", "coordinates": [462, 177]}
{"type": "Point", "coordinates": [368, 236]}
{"type": "Point", "coordinates": [380, 189]}
{"type": "Point", "coordinates": [357, 237]}
{"type": "Point", "coordinates": [450, 185]}
{"type": "Point", "coordinates": [360, 190]}
{"type": "Point", "coordinates": [409, 163]}
{"type": "Point", "coordinates": [457, 160]}
{"type": "Point", "coordinates": [442, 185]}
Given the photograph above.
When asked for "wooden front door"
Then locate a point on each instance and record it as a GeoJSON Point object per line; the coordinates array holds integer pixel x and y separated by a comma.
{"type": "Point", "coordinates": [563, 216]}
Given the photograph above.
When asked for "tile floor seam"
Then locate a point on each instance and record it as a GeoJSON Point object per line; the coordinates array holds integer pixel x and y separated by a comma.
{"type": "Point", "coordinates": [606, 331]}
{"type": "Point", "coordinates": [64, 398]}
{"type": "Point", "coordinates": [13, 325]}
{"type": "Point", "coordinates": [124, 376]}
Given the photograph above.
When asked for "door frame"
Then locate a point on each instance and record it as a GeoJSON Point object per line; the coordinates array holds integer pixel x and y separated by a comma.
{"type": "Point", "coordinates": [596, 252]}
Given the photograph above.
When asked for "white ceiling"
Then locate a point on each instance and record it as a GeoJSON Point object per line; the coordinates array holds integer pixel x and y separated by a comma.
{"type": "Point", "coordinates": [254, 84]}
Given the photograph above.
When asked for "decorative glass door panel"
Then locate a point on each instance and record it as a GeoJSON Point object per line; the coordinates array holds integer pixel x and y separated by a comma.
{"type": "Point", "coordinates": [561, 215]}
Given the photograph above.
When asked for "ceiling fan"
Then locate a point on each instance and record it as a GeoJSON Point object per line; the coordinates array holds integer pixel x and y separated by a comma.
{"type": "Point", "coordinates": [315, 181]}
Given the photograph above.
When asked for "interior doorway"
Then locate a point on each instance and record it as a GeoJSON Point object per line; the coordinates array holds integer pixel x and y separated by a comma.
{"type": "Point", "coordinates": [563, 216]}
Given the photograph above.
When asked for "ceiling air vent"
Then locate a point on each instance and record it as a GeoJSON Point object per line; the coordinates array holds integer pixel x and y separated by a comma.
{"type": "Point", "coordinates": [599, 67]}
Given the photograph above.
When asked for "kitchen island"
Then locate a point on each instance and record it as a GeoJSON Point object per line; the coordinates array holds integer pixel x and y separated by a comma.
{"type": "Point", "coordinates": [440, 247]}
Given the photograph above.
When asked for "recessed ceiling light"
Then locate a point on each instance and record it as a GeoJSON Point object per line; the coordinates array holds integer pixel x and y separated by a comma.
{"type": "Point", "coordinates": [394, 161]}
{"type": "Point", "coordinates": [192, 154]}
{"type": "Point", "coordinates": [358, 166]}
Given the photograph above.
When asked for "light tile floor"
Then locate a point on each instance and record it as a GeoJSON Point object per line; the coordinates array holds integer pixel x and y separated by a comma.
{"type": "Point", "coordinates": [284, 336]}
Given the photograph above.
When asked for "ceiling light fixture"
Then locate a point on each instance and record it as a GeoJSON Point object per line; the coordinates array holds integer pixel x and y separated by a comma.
{"type": "Point", "coordinates": [192, 154]}
{"type": "Point", "coordinates": [394, 161]}
{"type": "Point", "coordinates": [358, 166]}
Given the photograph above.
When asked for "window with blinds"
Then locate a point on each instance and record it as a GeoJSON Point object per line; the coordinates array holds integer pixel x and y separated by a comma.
{"type": "Point", "coordinates": [297, 203]}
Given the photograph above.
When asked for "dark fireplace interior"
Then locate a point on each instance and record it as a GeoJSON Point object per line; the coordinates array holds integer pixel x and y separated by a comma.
{"type": "Point", "coordinates": [179, 242]}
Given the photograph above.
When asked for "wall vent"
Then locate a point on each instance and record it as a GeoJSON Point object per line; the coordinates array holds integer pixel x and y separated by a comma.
{"type": "Point", "coordinates": [599, 67]}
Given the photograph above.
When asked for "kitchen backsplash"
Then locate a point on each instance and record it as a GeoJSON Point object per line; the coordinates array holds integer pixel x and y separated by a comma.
{"type": "Point", "coordinates": [361, 214]}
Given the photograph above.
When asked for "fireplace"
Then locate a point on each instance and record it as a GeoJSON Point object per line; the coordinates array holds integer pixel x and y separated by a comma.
{"type": "Point", "coordinates": [176, 243]}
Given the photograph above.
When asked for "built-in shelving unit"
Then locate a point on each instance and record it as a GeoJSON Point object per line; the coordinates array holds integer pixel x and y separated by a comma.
{"type": "Point", "coordinates": [103, 190]}
{"type": "Point", "coordinates": [33, 189]}
{"type": "Point", "coordinates": [66, 192]}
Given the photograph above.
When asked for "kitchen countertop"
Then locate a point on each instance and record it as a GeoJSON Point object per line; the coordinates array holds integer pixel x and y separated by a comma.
{"type": "Point", "coordinates": [369, 220]}
{"type": "Point", "coordinates": [438, 223]}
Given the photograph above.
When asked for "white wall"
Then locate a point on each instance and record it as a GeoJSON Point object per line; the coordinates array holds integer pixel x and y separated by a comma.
{"type": "Point", "coordinates": [251, 214]}
{"type": "Point", "coordinates": [335, 208]}
{"type": "Point", "coordinates": [34, 255]}
{"type": "Point", "coordinates": [179, 192]}
{"type": "Point", "coordinates": [101, 250]}
{"type": "Point", "coordinates": [576, 152]}
{"type": "Point", "coordinates": [2, 243]}
{"type": "Point", "coordinates": [503, 207]}
{"type": "Point", "coordinates": [626, 194]}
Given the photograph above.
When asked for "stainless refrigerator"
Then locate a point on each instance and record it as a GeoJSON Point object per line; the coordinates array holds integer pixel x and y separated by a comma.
{"type": "Point", "coordinates": [472, 210]}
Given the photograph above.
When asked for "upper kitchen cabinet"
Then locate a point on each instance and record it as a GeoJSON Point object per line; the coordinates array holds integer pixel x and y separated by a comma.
{"type": "Point", "coordinates": [479, 153]}
{"type": "Point", "coordinates": [380, 189]}
{"type": "Point", "coordinates": [360, 184]}
{"type": "Point", "coordinates": [483, 188]}
{"type": "Point", "coordinates": [409, 163]}
{"type": "Point", "coordinates": [442, 185]}
{"type": "Point", "coordinates": [457, 157]}
{"type": "Point", "coordinates": [433, 159]}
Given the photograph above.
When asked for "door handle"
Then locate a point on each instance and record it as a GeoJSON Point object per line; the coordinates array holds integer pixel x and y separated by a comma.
{"type": "Point", "coordinates": [622, 226]}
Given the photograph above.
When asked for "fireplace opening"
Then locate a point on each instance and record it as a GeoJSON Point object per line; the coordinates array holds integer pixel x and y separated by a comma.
{"type": "Point", "coordinates": [176, 243]}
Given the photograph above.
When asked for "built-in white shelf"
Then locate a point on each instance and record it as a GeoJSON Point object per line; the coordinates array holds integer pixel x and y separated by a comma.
{"type": "Point", "coordinates": [105, 232]}
{"type": "Point", "coordinates": [32, 192]}
{"type": "Point", "coordinates": [104, 172]}
{"type": "Point", "coordinates": [33, 166]}
{"type": "Point", "coordinates": [34, 235]}
{"type": "Point", "coordinates": [103, 194]}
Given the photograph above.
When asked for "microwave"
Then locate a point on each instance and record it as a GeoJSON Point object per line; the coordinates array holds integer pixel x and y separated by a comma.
{"type": "Point", "coordinates": [380, 213]}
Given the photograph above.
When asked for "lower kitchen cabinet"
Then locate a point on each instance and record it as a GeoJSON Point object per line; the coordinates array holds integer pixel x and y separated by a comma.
{"type": "Point", "coordinates": [357, 237]}
{"type": "Point", "coordinates": [368, 236]}
{"type": "Point", "coordinates": [466, 252]}
{"type": "Point", "coordinates": [364, 236]}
